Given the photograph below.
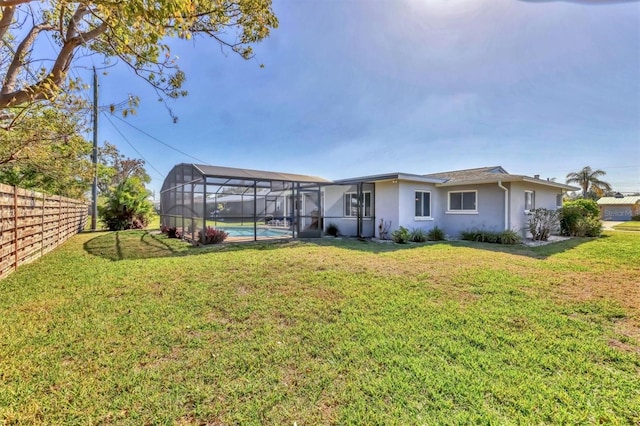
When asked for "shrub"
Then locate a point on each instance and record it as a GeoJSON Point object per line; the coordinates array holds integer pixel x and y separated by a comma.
{"type": "Point", "coordinates": [400, 235]}
{"type": "Point", "coordinates": [480, 235]}
{"type": "Point", "coordinates": [635, 217]}
{"type": "Point", "coordinates": [588, 227]}
{"type": "Point", "coordinates": [333, 230]}
{"type": "Point", "coordinates": [468, 235]}
{"type": "Point", "coordinates": [435, 234]}
{"type": "Point", "coordinates": [170, 232]}
{"type": "Point", "coordinates": [542, 222]}
{"type": "Point", "coordinates": [212, 236]}
{"type": "Point", "coordinates": [127, 206]}
{"type": "Point", "coordinates": [418, 235]}
{"type": "Point", "coordinates": [484, 236]}
{"type": "Point", "coordinates": [509, 237]}
{"type": "Point", "coordinates": [590, 206]}
{"type": "Point", "coordinates": [580, 218]}
{"type": "Point", "coordinates": [489, 237]}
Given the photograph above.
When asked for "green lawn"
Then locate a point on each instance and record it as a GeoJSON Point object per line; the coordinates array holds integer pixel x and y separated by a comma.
{"type": "Point", "coordinates": [133, 328]}
{"type": "Point", "coordinates": [632, 225]}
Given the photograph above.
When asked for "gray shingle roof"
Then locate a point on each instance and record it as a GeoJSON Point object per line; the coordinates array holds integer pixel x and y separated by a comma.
{"type": "Point", "coordinates": [481, 173]}
{"type": "Point", "coordinates": [490, 175]}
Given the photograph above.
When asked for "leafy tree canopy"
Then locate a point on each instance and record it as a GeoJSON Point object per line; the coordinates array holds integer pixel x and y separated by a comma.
{"type": "Point", "coordinates": [133, 31]}
{"type": "Point", "coordinates": [44, 150]}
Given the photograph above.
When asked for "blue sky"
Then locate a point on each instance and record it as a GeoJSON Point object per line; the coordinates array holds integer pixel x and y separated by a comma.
{"type": "Point", "coordinates": [359, 87]}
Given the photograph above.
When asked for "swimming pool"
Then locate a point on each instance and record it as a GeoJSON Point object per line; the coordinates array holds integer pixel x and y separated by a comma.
{"type": "Point", "coordinates": [247, 232]}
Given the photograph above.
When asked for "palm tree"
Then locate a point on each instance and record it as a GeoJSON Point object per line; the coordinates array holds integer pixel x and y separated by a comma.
{"type": "Point", "coordinates": [587, 179]}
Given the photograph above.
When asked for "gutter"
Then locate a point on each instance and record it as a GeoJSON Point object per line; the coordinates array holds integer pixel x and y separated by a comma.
{"type": "Point", "coordinates": [506, 205]}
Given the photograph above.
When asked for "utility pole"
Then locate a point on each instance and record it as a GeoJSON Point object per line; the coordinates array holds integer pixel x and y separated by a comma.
{"type": "Point", "coordinates": [94, 156]}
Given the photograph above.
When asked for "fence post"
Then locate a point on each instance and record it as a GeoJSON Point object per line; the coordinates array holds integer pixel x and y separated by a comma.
{"type": "Point", "coordinates": [59, 219]}
{"type": "Point", "coordinates": [15, 228]}
{"type": "Point", "coordinates": [44, 197]}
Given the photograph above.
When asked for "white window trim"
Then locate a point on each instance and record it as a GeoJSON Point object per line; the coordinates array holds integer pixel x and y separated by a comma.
{"type": "Point", "coordinates": [449, 211]}
{"type": "Point", "coordinates": [420, 218]}
{"type": "Point", "coordinates": [533, 199]}
{"type": "Point", "coordinates": [364, 216]}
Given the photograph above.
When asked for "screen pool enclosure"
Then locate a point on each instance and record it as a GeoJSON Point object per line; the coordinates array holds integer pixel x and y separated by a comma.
{"type": "Point", "coordinates": [249, 205]}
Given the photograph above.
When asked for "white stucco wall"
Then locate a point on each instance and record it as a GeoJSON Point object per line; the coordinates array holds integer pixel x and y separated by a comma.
{"type": "Point", "coordinates": [490, 210]}
{"type": "Point", "coordinates": [406, 205]}
{"type": "Point", "coordinates": [386, 204]}
{"type": "Point", "coordinates": [545, 197]}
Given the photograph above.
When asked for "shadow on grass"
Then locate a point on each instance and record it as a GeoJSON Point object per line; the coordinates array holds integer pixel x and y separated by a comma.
{"type": "Point", "coordinates": [131, 245]}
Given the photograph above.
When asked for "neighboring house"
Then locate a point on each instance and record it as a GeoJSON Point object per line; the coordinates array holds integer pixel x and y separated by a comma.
{"type": "Point", "coordinates": [483, 198]}
{"type": "Point", "coordinates": [619, 208]}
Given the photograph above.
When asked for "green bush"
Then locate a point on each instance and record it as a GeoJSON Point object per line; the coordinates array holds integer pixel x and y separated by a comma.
{"type": "Point", "coordinates": [333, 230]}
{"type": "Point", "coordinates": [590, 206]}
{"type": "Point", "coordinates": [484, 236]}
{"type": "Point", "coordinates": [435, 234]}
{"type": "Point", "coordinates": [636, 217]}
{"type": "Point", "coordinates": [127, 206]}
{"type": "Point", "coordinates": [418, 235]}
{"type": "Point", "coordinates": [400, 235]}
{"type": "Point", "coordinates": [468, 235]}
{"type": "Point", "coordinates": [510, 237]}
{"type": "Point", "coordinates": [490, 237]}
{"type": "Point", "coordinates": [580, 218]}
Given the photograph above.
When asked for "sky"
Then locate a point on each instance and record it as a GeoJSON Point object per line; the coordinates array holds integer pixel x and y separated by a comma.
{"type": "Point", "coordinates": [359, 87]}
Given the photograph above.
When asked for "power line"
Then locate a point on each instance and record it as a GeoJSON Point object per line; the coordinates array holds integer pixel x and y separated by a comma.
{"type": "Point", "coordinates": [158, 140]}
{"type": "Point", "coordinates": [131, 145]}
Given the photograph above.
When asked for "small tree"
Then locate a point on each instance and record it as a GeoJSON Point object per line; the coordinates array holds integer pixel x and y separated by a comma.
{"type": "Point", "coordinates": [542, 222]}
{"type": "Point", "coordinates": [127, 206]}
{"type": "Point", "coordinates": [114, 168]}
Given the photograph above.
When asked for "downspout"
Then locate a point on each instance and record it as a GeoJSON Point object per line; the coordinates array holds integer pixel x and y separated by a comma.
{"type": "Point", "coordinates": [506, 205]}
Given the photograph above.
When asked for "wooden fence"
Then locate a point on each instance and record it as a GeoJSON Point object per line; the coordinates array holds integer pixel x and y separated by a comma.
{"type": "Point", "coordinates": [33, 223]}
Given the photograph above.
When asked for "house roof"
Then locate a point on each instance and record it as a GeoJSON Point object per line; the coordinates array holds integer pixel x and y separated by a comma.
{"type": "Point", "coordinates": [606, 201]}
{"type": "Point", "coordinates": [248, 174]}
{"type": "Point", "coordinates": [389, 176]}
{"type": "Point", "coordinates": [492, 174]}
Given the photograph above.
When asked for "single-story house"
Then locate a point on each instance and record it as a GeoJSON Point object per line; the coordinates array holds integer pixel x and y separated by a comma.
{"type": "Point", "coordinates": [484, 198]}
{"type": "Point", "coordinates": [489, 198]}
{"type": "Point", "coordinates": [619, 208]}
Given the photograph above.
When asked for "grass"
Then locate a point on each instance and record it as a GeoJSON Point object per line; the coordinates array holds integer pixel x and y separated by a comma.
{"type": "Point", "coordinates": [632, 225]}
{"type": "Point", "coordinates": [134, 328]}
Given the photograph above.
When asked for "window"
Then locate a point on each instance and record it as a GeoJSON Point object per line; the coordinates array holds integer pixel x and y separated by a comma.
{"type": "Point", "coordinates": [559, 200]}
{"type": "Point", "coordinates": [463, 201]}
{"type": "Point", "coordinates": [529, 200]}
{"type": "Point", "coordinates": [423, 204]}
{"type": "Point", "coordinates": [351, 204]}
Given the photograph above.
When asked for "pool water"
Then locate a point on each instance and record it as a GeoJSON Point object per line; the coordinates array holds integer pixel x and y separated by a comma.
{"type": "Point", "coordinates": [238, 231]}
